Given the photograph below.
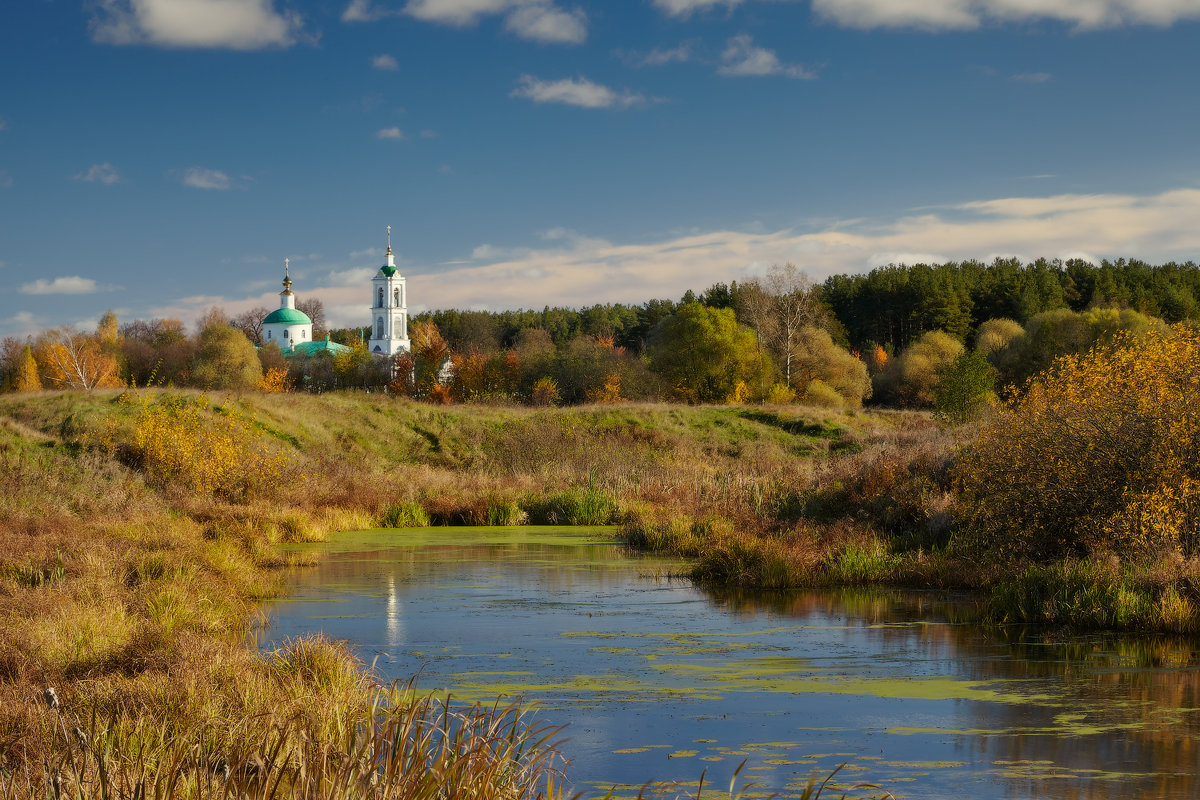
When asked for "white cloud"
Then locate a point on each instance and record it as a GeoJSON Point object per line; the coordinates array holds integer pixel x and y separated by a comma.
{"type": "Point", "coordinates": [385, 62]}
{"type": "Point", "coordinates": [577, 270]}
{"type": "Point", "coordinates": [428, 133]}
{"type": "Point", "coordinates": [65, 285]}
{"type": "Point", "coordinates": [1031, 77]}
{"type": "Point", "coordinates": [365, 11]}
{"type": "Point", "coordinates": [233, 24]}
{"type": "Point", "coordinates": [571, 269]}
{"type": "Point", "coordinates": [937, 15]}
{"type": "Point", "coordinates": [455, 12]}
{"type": "Point", "coordinates": [685, 8]}
{"type": "Point", "coordinates": [353, 276]}
{"type": "Point", "coordinates": [741, 58]}
{"type": "Point", "coordinates": [21, 324]}
{"type": "Point", "coordinates": [543, 22]}
{"type": "Point", "coordinates": [575, 92]}
{"type": "Point", "coordinates": [202, 178]}
{"type": "Point", "coordinates": [389, 133]}
{"type": "Point", "coordinates": [659, 56]}
{"type": "Point", "coordinates": [536, 20]}
{"type": "Point", "coordinates": [100, 173]}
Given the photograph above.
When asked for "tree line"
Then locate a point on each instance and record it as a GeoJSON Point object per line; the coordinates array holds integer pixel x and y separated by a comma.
{"type": "Point", "coordinates": [898, 335]}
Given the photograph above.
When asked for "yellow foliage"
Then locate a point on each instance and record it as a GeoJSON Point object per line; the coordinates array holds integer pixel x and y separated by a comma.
{"type": "Point", "coordinates": [780, 395]}
{"type": "Point", "coordinates": [27, 378]}
{"type": "Point", "coordinates": [181, 443]}
{"type": "Point", "coordinates": [275, 380]}
{"type": "Point", "coordinates": [1102, 451]}
{"type": "Point", "coordinates": [740, 394]}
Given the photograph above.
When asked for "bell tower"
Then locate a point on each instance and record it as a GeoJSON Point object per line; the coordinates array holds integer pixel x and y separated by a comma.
{"type": "Point", "coordinates": [389, 308]}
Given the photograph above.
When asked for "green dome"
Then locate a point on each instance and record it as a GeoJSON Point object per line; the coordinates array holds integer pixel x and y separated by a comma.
{"type": "Point", "coordinates": [289, 315]}
{"type": "Point", "coordinates": [387, 270]}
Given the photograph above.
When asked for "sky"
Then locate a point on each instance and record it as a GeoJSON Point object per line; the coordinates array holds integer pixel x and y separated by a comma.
{"type": "Point", "coordinates": [159, 157]}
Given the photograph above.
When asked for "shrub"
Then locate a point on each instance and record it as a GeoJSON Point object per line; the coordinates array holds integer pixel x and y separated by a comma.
{"type": "Point", "coordinates": [1101, 452]}
{"type": "Point", "coordinates": [780, 395]}
{"type": "Point", "coordinates": [178, 442]}
{"type": "Point", "coordinates": [820, 393]}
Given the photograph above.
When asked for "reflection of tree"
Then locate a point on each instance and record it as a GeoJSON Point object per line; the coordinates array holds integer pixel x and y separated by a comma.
{"type": "Point", "coordinates": [1126, 706]}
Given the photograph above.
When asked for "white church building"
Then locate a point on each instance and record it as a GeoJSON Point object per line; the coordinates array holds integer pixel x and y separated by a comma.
{"type": "Point", "coordinates": [389, 309]}
{"type": "Point", "coordinates": [291, 328]}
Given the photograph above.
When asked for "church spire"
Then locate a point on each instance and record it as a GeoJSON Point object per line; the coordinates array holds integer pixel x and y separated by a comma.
{"type": "Point", "coordinates": [287, 280]}
{"type": "Point", "coordinates": [391, 260]}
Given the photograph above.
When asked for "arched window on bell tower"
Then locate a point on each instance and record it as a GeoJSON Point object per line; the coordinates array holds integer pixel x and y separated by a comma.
{"type": "Point", "coordinates": [396, 297]}
{"type": "Point", "coordinates": [380, 303]}
{"type": "Point", "coordinates": [379, 327]}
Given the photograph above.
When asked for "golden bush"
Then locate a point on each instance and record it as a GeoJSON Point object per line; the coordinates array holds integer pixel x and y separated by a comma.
{"type": "Point", "coordinates": [182, 443]}
{"type": "Point", "coordinates": [1102, 451]}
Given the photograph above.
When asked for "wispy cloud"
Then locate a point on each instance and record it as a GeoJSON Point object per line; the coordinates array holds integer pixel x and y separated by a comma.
{"type": "Point", "coordinates": [100, 173]}
{"type": "Point", "coordinates": [535, 20]}
{"type": "Point", "coordinates": [943, 15]}
{"type": "Point", "coordinates": [66, 285]}
{"type": "Point", "coordinates": [3, 124]}
{"type": "Point", "coordinates": [1031, 77]}
{"type": "Point", "coordinates": [5, 180]}
{"type": "Point", "coordinates": [658, 56]}
{"type": "Point", "coordinates": [203, 178]}
{"type": "Point", "coordinates": [742, 58]}
{"type": "Point", "coordinates": [390, 133]}
{"type": "Point", "coordinates": [579, 92]}
{"type": "Point", "coordinates": [685, 8]}
{"type": "Point", "coordinates": [385, 62]}
{"type": "Point", "coordinates": [230, 24]}
{"type": "Point", "coordinates": [429, 133]}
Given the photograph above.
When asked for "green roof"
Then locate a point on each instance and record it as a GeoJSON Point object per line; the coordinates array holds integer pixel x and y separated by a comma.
{"type": "Point", "coordinates": [387, 270]}
{"type": "Point", "coordinates": [288, 315]}
{"type": "Point", "coordinates": [312, 348]}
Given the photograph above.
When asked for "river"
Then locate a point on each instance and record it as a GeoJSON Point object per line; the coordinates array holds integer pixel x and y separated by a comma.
{"type": "Point", "coordinates": [656, 680]}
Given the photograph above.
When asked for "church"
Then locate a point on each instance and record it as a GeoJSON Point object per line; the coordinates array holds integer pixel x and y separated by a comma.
{"type": "Point", "coordinates": [291, 328]}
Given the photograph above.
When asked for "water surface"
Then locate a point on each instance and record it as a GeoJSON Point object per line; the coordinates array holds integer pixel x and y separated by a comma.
{"type": "Point", "coordinates": [657, 680]}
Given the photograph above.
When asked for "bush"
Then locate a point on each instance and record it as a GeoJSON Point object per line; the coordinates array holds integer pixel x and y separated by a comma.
{"type": "Point", "coordinates": [181, 443]}
{"type": "Point", "coordinates": [1101, 452]}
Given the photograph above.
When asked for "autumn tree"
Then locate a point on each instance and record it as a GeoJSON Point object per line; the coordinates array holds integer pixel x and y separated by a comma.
{"type": "Point", "coordinates": [226, 359]}
{"type": "Point", "coordinates": [1102, 452]}
{"type": "Point", "coordinates": [912, 377]}
{"type": "Point", "coordinates": [70, 359]}
{"type": "Point", "coordinates": [703, 353]}
{"type": "Point", "coordinates": [429, 355]}
{"type": "Point", "coordinates": [25, 377]}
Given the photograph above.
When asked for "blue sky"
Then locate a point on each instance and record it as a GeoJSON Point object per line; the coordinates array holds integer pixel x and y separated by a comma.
{"type": "Point", "coordinates": [161, 156]}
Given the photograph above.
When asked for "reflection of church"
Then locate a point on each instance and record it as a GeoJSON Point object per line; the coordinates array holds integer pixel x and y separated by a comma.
{"type": "Point", "coordinates": [389, 310]}
{"type": "Point", "coordinates": [291, 328]}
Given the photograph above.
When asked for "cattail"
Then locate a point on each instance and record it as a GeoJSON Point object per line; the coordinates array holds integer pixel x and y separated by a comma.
{"type": "Point", "coordinates": [51, 697]}
{"type": "Point", "coordinates": [80, 735]}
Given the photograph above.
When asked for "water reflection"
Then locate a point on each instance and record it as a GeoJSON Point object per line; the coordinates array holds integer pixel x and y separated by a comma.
{"type": "Point", "coordinates": [660, 681]}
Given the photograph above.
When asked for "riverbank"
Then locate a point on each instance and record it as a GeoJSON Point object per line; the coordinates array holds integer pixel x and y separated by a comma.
{"type": "Point", "coordinates": [140, 530]}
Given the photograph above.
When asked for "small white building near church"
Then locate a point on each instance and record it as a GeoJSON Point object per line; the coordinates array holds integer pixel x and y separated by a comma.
{"type": "Point", "coordinates": [287, 326]}
{"type": "Point", "coordinates": [389, 308]}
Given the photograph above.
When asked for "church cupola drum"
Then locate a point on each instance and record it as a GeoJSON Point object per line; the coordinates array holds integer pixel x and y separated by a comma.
{"type": "Point", "coordinates": [389, 308]}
